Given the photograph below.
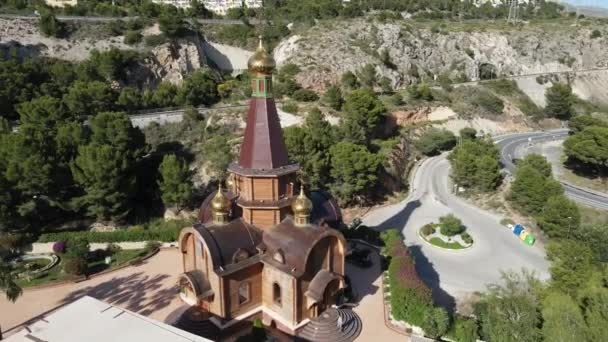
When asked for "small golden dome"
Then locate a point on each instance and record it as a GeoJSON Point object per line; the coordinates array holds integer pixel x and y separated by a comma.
{"type": "Point", "coordinates": [261, 62]}
{"type": "Point", "coordinates": [302, 206]}
{"type": "Point", "coordinates": [219, 203]}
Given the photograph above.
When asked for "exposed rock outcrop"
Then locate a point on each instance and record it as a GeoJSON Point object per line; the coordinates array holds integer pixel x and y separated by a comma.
{"type": "Point", "coordinates": [167, 62]}
{"type": "Point", "coordinates": [328, 50]}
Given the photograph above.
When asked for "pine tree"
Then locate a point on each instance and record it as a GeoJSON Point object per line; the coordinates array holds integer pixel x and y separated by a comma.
{"type": "Point", "coordinates": [562, 319]}
{"type": "Point", "coordinates": [559, 101]}
{"type": "Point", "coordinates": [105, 168]}
{"type": "Point", "coordinates": [174, 184]}
{"type": "Point", "coordinates": [560, 217]}
{"type": "Point", "coordinates": [333, 97]}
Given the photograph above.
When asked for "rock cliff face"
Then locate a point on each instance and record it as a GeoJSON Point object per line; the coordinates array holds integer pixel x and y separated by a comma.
{"type": "Point", "coordinates": [328, 50]}
{"type": "Point", "coordinates": [166, 62]}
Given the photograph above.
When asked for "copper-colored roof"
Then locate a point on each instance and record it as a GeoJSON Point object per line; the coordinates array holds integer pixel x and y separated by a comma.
{"type": "Point", "coordinates": [263, 146]}
{"type": "Point", "coordinates": [295, 242]}
{"type": "Point", "coordinates": [225, 240]}
{"type": "Point", "coordinates": [200, 283]}
{"type": "Point", "coordinates": [317, 285]}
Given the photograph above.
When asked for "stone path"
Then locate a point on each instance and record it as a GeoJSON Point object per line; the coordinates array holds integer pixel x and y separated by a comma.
{"type": "Point", "coordinates": [149, 289]}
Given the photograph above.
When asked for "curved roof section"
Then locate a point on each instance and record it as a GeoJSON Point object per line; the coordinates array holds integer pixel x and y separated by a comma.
{"type": "Point", "coordinates": [295, 242]}
{"type": "Point", "coordinates": [223, 241]}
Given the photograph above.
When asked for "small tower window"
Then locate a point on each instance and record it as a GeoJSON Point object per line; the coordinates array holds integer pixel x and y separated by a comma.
{"type": "Point", "coordinates": [279, 257]}
{"type": "Point", "coordinates": [276, 294]}
{"type": "Point", "coordinates": [244, 293]}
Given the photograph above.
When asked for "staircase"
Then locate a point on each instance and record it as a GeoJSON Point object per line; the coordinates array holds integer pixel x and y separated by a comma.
{"type": "Point", "coordinates": [197, 322]}
{"type": "Point", "coordinates": [325, 327]}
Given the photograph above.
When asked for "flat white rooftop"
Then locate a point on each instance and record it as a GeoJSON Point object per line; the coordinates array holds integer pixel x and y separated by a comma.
{"type": "Point", "coordinates": [91, 320]}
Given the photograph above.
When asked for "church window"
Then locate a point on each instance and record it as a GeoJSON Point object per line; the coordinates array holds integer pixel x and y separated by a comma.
{"type": "Point", "coordinates": [244, 293]}
{"type": "Point", "coordinates": [198, 247]}
{"type": "Point", "coordinates": [276, 294]}
{"type": "Point", "coordinates": [279, 257]}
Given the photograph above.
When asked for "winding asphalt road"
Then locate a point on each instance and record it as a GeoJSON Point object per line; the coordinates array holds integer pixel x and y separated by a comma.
{"type": "Point", "coordinates": [512, 146]}
{"type": "Point", "coordinates": [452, 274]}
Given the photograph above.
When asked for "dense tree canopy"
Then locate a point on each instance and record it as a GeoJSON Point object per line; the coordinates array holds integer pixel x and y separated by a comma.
{"type": "Point", "coordinates": [538, 162]}
{"type": "Point", "coordinates": [510, 312]}
{"type": "Point", "coordinates": [580, 122]}
{"type": "Point", "coordinates": [475, 165]}
{"type": "Point", "coordinates": [174, 184]}
{"type": "Point", "coordinates": [354, 170]}
{"type": "Point", "coordinates": [560, 217]}
{"type": "Point", "coordinates": [589, 146]}
{"type": "Point", "coordinates": [364, 112]}
{"type": "Point", "coordinates": [562, 319]}
{"type": "Point", "coordinates": [433, 141]}
{"type": "Point", "coordinates": [559, 101]}
{"type": "Point", "coordinates": [530, 190]}
{"type": "Point", "coordinates": [572, 265]}
{"type": "Point", "coordinates": [105, 167]}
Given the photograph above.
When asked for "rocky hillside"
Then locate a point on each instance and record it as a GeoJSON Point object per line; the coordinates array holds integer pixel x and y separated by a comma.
{"type": "Point", "coordinates": [424, 50]}
{"type": "Point", "coordinates": [165, 62]}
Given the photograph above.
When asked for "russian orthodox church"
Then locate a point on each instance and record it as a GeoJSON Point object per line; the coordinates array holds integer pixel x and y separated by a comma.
{"type": "Point", "coordinates": [259, 249]}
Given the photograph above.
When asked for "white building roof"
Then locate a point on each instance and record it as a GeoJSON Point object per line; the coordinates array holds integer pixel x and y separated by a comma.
{"type": "Point", "coordinates": [91, 320]}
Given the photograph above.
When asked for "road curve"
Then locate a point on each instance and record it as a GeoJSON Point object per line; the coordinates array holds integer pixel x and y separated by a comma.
{"type": "Point", "coordinates": [510, 146]}
{"type": "Point", "coordinates": [451, 274]}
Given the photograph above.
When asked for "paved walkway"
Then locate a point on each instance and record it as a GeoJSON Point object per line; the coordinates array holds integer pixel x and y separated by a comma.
{"type": "Point", "coordinates": [149, 289]}
{"type": "Point", "coordinates": [367, 283]}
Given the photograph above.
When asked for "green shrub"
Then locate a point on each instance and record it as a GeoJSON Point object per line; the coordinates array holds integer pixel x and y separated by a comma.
{"type": "Point", "coordinates": [436, 322]}
{"type": "Point", "coordinates": [428, 229]}
{"type": "Point", "coordinates": [155, 40]}
{"type": "Point", "coordinates": [465, 330]}
{"type": "Point", "coordinates": [290, 107]}
{"type": "Point", "coordinates": [596, 34]}
{"type": "Point", "coordinates": [435, 140]}
{"type": "Point", "coordinates": [467, 238]}
{"type": "Point", "coordinates": [450, 225]}
{"type": "Point", "coordinates": [489, 102]}
{"type": "Point", "coordinates": [74, 265]}
{"type": "Point", "coordinates": [304, 95]}
{"type": "Point", "coordinates": [159, 230]}
{"type": "Point", "coordinates": [132, 37]}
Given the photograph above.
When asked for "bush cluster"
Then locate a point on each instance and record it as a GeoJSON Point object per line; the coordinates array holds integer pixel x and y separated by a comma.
{"type": "Point", "coordinates": [166, 232]}
{"type": "Point", "coordinates": [428, 229]}
{"type": "Point", "coordinates": [410, 297]}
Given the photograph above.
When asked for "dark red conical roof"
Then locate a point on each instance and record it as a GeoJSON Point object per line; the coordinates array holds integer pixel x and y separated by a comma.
{"type": "Point", "coordinates": [263, 146]}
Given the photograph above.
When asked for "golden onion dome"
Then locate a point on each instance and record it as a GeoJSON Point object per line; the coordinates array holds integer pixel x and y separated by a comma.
{"type": "Point", "coordinates": [302, 206]}
{"type": "Point", "coordinates": [261, 62]}
{"type": "Point", "coordinates": [220, 203]}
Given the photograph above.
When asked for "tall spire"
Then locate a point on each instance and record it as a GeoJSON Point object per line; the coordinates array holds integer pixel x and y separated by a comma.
{"type": "Point", "coordinates": [263, 146]}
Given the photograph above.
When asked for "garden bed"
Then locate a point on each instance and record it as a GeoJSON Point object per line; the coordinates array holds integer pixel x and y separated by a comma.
{"type": "Point", "coordinates": [95, 264]}
{"type": "Point", "coordinates": [433, 234]}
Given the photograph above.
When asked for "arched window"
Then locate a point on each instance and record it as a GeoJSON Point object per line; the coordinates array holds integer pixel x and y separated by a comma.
{"type": "Point", "coordinates": [244, 293]}
{"type": "Point", "coordinates": [278, 256]}
{"type": "Point", "coordinates": [276, 294]}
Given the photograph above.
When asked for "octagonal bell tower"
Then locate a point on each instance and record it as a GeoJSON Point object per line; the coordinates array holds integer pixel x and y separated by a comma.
{"type": "Point", "coordinates": [263, 178]}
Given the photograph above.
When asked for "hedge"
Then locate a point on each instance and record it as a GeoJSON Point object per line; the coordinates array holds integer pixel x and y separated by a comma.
{"type": "Point", "coordinates": [410, 298]}
{"type": "Point", "coordinates": [156, 231]}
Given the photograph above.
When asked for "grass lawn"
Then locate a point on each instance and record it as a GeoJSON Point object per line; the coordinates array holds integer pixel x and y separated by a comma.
{"type": "Point", "coordinates": [95, 266]}
{"type": "Point", "coordinates": [449, 245]}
